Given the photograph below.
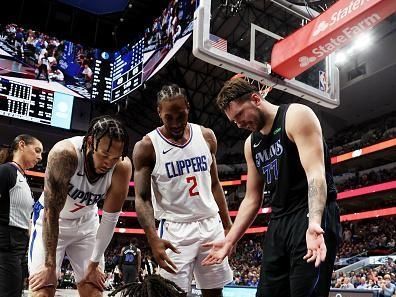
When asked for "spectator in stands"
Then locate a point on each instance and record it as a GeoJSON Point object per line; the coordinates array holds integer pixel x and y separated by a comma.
{"type": "Point", "coordinates": [88, 74]}
{"type": "Point", "coordinates": [15, 211]}
{"type": "Point", "coordinates": [56, 74]}
{"type": "Point", "coordinates": [347, 284]}
{"type": "Point", "coordinates": [387, 287]}
{"type": "Point", "coordinates": [116, 276]}
{"type": "Point", "coordinates": [347, 235]}
{"type": "Point", "coordinates": [363, 284]}
{"type": "Point", "coordinates": [372, 284]}
{"type": "Point", "coordinates": [43, 68]}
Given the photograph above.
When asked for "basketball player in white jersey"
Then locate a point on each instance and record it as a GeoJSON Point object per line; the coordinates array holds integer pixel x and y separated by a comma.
{"type": "Point", "coordinates": [80, 172]}
{"type": "Point", "coordinates": [176, 182]}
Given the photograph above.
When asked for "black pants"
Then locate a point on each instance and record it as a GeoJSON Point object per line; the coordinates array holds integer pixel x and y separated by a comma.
{"type": "Point", "coordinates": [13, 247]}
{"type": "Point", "coordinates": [284, 272]}
{"type": "Point", "coordinates": [129, 273]}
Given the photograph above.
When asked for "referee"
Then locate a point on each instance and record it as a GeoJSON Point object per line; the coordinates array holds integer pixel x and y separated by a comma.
{"type": "Point", "coordinates": [16, 206]}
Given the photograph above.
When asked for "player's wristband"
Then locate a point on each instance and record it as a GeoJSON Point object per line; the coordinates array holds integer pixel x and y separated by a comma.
{"type": "Point", "coordinates": [104, 234]}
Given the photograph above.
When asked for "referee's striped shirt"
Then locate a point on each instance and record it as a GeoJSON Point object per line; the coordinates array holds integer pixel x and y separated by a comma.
{"type": "Point", "coordinates": [16, 201]}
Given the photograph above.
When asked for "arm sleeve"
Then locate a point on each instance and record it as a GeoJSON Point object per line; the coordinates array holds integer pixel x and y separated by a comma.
{"type": "Point", "coordinates": [104, 234]}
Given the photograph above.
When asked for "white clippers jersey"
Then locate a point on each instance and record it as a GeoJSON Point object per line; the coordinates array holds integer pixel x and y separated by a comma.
{"type": "Point", "coordinates": [82, 195]}
{"type": "Point", "coordinates": [181, 183]}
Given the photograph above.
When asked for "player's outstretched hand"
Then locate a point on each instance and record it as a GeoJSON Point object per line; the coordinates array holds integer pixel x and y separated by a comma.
{"type": "Point", "coordinates": [44, 278]}
{"type": "Point", "coordinates": [159, 248]}
{"type": "Point", "coordinates": [95, 276]}
{"type": "Point", "coordinates": [316, 247]}
{"type": "Point", "coordinates": [219, 250]}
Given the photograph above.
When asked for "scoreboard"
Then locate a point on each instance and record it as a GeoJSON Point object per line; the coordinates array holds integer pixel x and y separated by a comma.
{"type": "Point", "coordinates": [26, 102]}
{"type": "Point", "coordinates": [118, 74]}
{"type": "Point", "coordinates": [101, 84]}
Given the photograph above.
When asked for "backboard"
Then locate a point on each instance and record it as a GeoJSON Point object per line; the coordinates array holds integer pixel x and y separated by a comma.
{"type": "Point", "coordinates": [238, 35]}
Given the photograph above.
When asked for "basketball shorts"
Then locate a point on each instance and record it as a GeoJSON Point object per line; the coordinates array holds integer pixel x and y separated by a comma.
{"type": "Point", "coordinates": [188, 238]}
{"type": "Point", "coordinates": [76, 240]}
{"type": "Point", "coordinates": [284, 272]}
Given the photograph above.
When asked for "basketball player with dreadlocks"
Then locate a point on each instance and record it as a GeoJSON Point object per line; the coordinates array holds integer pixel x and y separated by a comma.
{"type": "Point", "coordinates": [80, 172]}
{"type": "Point", "coordinates": [176, 162]}
{"type": "Point", "coordinates": [152, 286]}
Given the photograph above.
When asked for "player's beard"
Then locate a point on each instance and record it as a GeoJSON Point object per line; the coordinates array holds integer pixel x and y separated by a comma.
{"type": "Point", "coordinates": [90, 165]}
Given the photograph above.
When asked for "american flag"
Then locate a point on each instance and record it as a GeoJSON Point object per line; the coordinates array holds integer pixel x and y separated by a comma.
{"type": "Point", "coordinates": [218, 42]}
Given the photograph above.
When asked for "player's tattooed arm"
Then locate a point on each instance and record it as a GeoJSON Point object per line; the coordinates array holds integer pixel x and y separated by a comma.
{"type": "Point", "coordinates": [61, 165]}
{"type": "Point", "coordinates": [143, 162]}
{"type": "Point", "coordinates": [303, 128]}
{"type": "Point", "coordinates": [317, 195]}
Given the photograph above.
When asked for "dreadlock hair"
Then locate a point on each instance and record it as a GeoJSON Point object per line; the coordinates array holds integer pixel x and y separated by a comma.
{"type": "Point", "coordinates": [106, 126]}
{"type": "Point", "coordinates": [7, 152]}
{"type": "Point", "coordinates": [233, 90]}
{"type": "Point", "coordinates": [169, 92]}
{"type": "Point", "coordinates": [152, 286]}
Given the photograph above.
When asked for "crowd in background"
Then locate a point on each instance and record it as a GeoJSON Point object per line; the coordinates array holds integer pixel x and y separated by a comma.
{"type": "Point", "coordinates": [365, 134]}
{"type": "Point", "coordinates": [169, 26]}
{"type": "Point", "coordinates": [372, 177]}
{"type": "Point", "coordinates": [368, 237]}
{"type": "Point", "coordinates": [381, 278]}
{"type": "Point", "coordinates": [43, 52]}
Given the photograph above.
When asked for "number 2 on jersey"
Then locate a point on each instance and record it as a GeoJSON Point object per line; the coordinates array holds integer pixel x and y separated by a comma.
{"type": "Point", "coordinates": [193, 181]}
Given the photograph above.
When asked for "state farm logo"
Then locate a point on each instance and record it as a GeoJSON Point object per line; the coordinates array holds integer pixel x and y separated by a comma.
{"type": "Point", "coordinates": [305, 61]}
{"type": "Point", "coordinates": [336, 42]}
{"type": "Point", "coordinates": [339, 15]}
{"type": "Point", "coordinates": [322, 27]}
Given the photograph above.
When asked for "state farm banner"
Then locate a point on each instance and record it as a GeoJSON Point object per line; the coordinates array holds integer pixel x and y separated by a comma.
{"type": "Point", "coordinates": [328, 32]}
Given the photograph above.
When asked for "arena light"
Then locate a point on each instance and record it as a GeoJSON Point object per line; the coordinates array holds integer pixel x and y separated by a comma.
{"type": "Point", "coordinates": [340, 58]}
{"type": "Point", "coordinates": [231, 183]}
{"type": "Point", "coordinates": [369, 214]}
{"type": "Point", "coordinates": [367, 190]}
{"type": "Point", "coordinates": [362, 42]}
{"type": "Point", "coordinates": [129, 231]}
{"type": "Point", "coordinates": [364, 151]}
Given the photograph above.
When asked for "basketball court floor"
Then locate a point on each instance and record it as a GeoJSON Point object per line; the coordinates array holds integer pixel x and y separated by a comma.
{"type": "Point", "coordinates": [68, 293]}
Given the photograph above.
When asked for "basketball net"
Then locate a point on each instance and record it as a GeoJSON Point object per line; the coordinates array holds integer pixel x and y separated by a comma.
{"type": "Point", "coordinates": [262, 88]}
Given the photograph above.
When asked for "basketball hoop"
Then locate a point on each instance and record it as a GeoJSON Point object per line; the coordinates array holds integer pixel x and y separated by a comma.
{"type": "Point", "coordinates": [262, 88]}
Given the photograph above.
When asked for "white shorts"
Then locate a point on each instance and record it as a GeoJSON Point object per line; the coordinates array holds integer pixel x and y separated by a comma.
{"type": "Point", "coordinates": [76, 239]}
{"type": "Point", "coordinates": [188, 238]}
